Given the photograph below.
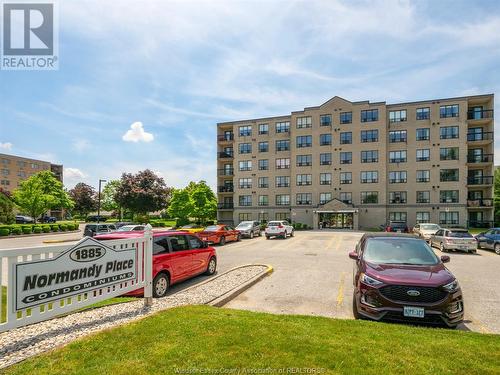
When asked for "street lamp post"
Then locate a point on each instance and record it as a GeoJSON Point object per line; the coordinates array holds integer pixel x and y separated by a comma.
{"type": "Point", "coordinates": [99, 201]}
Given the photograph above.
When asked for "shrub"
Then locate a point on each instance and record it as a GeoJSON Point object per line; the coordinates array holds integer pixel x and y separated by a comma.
{"type": "Point", "coordinates": [37, 229]}
{"type": "Point", "coordinates": [26, 230]}
{"type": "Point", "coordinates": [63, 227]}
{"type": "Point", "coordinates": [17, 230]}
{"type": "Point", "coordinates": [54, 227]}
{"type": "Point", "coordinates": [181, 221]}
{"type": "Point", "coordinates": [298, 226]}
{"type": "Point", "coordinates": [46, 228]}
{"type": "Point", "coordinates": [4, 231]}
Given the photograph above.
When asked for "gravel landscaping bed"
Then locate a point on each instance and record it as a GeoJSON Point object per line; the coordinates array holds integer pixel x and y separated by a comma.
{"type": "Point", "coordinates": [21, 343]}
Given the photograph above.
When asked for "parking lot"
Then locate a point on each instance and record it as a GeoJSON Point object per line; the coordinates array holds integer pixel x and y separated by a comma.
{"type": "Point", "coordinates": [313, 275]}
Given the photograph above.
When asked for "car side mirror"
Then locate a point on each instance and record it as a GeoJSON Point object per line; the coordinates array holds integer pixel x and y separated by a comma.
{"type": "Point", "coordinates": [353, 255]}
{"type": "Point", "coordinates": [205, 244]}
{"type": "Point", "coordinates": [445, 258]}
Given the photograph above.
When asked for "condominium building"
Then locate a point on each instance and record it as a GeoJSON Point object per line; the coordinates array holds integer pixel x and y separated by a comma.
{"type": "Point", "coordinates": [359, 165]}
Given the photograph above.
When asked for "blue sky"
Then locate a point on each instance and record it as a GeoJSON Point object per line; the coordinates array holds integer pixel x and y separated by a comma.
{"type": "Point", "coordinates": [181, 67]}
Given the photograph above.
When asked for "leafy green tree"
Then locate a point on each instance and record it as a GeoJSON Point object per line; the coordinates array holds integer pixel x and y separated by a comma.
{"type": "Point", "coordinates": [108, 201]}
{"type": "Point", "coordinates": [40, 193]}
{"type": "Point", "coordinates": [496, 195]}
{"type": "Point", "coordinates": [85, 198]}
{"type": "Point", "coordinates": [204, 202]}
{"type": "Point", "coordinates": [181, 204]}
{"type": "Point", "coordinates": [6, 209]}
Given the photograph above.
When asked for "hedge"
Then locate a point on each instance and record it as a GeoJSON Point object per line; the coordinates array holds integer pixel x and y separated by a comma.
{"type": "Point", "coordinates": [4, 231]}
{"type": "Point", "coordinates": [17, 230]}
{"type": "Point", "coordinates": [26, 230]}
{"type": "Point", "coordinates": [37, 229]}
{"type": "Point", "coordinates": [46, 228]}
{"type": "Point", "coordinates": [63, 227]}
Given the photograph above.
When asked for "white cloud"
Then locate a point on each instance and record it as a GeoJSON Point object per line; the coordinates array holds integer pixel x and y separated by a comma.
{"type": "Point", "coordinates": [136, 133]}
{"type": "Point", "coordinates": [72, 173]}
{"type": "Point", "coordinates": [81, 145]}
{"type": "Point", "coordinates": [7, 146]}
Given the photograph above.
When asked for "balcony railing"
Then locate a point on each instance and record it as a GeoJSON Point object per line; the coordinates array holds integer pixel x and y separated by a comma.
{"type": "Point", "coordinates": [225, 155]}
{"type": "Point", "coordinates": [484, 136]}
{"type": "Point", "coordinates": [481, 180]}
{"type": "Point", "coordinates": [226, 172]}
{"type": "Point", "coordinates": [482, 202]}
{"type": "Point", "coordinates": [480, 223]}
{"type": "Point", "coordinates": [484, 158]}
{"type": "Point", "coordinates": [478, 115]}
{"type": "Point", "coordinates": [225, 206]}
{"type": "Point", "coordinates": [225, 137]}
{"type": "Point", "coordinates": [226, 189]}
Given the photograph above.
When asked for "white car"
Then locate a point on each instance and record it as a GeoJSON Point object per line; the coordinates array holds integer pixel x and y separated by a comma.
{"type": "Point", "coordinates": [425, 230]}
{"type": "Point", "coordinates": [278, 228]}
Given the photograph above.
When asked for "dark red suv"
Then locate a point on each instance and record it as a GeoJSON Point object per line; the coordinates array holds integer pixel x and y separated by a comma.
{"type": "Point", "coordinates": [398, 277]}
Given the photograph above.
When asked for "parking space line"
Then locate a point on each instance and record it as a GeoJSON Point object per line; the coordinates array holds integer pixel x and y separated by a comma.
{"type": "Point", "coordinates": [340, 294]}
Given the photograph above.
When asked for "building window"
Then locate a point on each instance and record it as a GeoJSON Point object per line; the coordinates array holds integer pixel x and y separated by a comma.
{"type": "Point", "coordinates": [423, 197]}
{"type": "Point", "coordinates": [325, 159]}
{"type": "Point", "coordinates": [346, 138]}
{"type": "Point", "coordinates": [263, 182]}
{"type": "Point", "coordinates": [34, 166]}
{"type": "Point", "coordinates": [325, 120]}
{"type": "Point", "coordinates": [325, 198]}
{"type": "Point", "coordinates": [304, 160]}
{"type": "Point", "coordinates": [245, 200]}
{"type": "Point", "coordinates": [304, 179]}
{"type": "Point", "coordinates": [423, 217]}
{"type": "Point", "coordinates": [263, 200]}
{"type": "Point", "coordinates": [345, 178]}
{"type": "Point", "coordinates": [397, 216]}
{"type": "Point", "coordinates": [5, 172]}
{"type": "Point", "coordinates": [369, 156]}
{"type": "Point", "coordinates": [304, 122]}
{"type": "Point", "coordinates": [303, 199]}
{"type": "Point", "coordinates": [245, 130]}
{"type": "Point", "coordinates": [346, 158]}
{"type": "Point", "coordinates": [325, 179]}
{"type": "Point", "coordinates": [397, 177]}
{"type": "Point", "coordinates": [5, 161]}
{"type": "Point", "coordinates": [397, 136]}
{"type": "Point", "coordinates": [325, 139]}
{"type": "Point", "coordinates": [448, 218]}
{"type": "Point", "coordinates": [423, 113]}
{"type": "Point", "coordinates": [346, 197]}
{"type": "Point", "coordinates": [282, 200]}
{"type": "Point", "coordinates": [368, 197]}
{"type": "Point", "coordinates": [448, 111]}
{"type": "Point", "coordinates": [345, 117]}
{"type": "Point", "coordinates": [281, 216]}
{"type": "Point", "coordinates": [263, 129]}
{"type": "Point", "coordinates": [446, 175]}
{"type": "Point", "coordinates": [283, 127]}
{"type": "Point", "coordinates": [304, 141]}
{"type": "Point", "coordinates": [263, 217]}
{"type": "Point", "coordinates": [423, 176]}
{"type": "Point", "coordinates": [369, 177]}
{"type": "Point", "coordinates": [448, 132]}
{"type": "Point", "coordinates": [448, 153]}
{"type": "Point", "coordinates": [245, 165]}
{"type": "Point", "coordinates": [263, 164]}
{"type": "Point", "coordinates": [243, 216]}
{"type": "Point", "coordinates": [282, 181]}
{"type": "Point", "coordinates": [423, 134]}
{"type": "Point", "coordinates": [263, 146]}
{"type": "Point", "coordinates": [283, 145]}
{"type": "Point", "coordinates": [283, 163]}
{"type": "Point", "coordinates": [423, 154]}
{"type": "Point", "coordinates": [397, 156]}
{"type": "Point", "coordinates": [397, 197]}
{"type": "Point", "coordinates": [245, 183]}
{"type": "Point", "coordinates": [369, 115]}
{"type": "Point", "coordinates": [397, 116]}
{"type": "Point", "coordinates": [369, 136]}
{"type": "Point", "coordinates": [448, 196]}
{"type": "Point", "coordinates": [245, 148]}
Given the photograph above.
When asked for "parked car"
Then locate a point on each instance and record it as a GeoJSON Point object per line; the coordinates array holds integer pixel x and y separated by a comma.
{"type": "Point", "coordinates": [130, 228]}
{"type": "Point", "coordinates": [249, 228]}
{"type": "Point", "coordinates": [425, 230]}
{"type": "Point", "coordinates": [397, 226]}
{"type": "Point", "coordinates": [92, 230]}
{"type": "Point", "coordinates": [21, 219]}
{"type": "Point", "coordinates": [177, 256]}
{"type": "Point", "coordinates": [191, 228]}
{"type": "Point", "coordinates": [98, 218]}
{"type": "Point", "coordinates": [278, 228]}
{"type": "Point", "coordinates": [398, 277]}
{"type": "Point", "coordinates": [489, 240]}
{"type": "Point", "coordinates": [219, 234]}
{"type": "Point", "coordinates": [120, 224]}
{"type": "Point", "coordinates": [454, 239]}
{"type": "Point", "coordinates": [47, 219]}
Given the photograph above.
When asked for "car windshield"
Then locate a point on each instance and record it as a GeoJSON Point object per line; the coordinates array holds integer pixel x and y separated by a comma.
{"type": "Point", "coordinates": [244, 225]}
{"type": "Point", "coordinates": [429, 227]}
{"type": "Point", "coordinates": [399, 251]}
{"type": "Point", "coordinates": [273, 224]}
{"type": "Point", "coordinates": [459, 234]}
{"type": "Point", "coordinates": [126, 228]}
{"type": "Point", "coordinates": [212, 228]}
{"type": "Point", "coordinates": [396, 224]}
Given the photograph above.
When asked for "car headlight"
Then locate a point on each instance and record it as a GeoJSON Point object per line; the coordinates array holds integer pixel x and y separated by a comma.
{"type": "Point", "coordinates": [365, 279]}
{"type": "Point", "coordinates": [452, 287]}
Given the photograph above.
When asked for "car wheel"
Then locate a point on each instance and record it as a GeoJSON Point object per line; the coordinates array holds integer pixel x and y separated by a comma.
{"type": "Point", "coordinates": [497, 248]}
{"type": "Point", "coordinates": [355, 312]}
{"type": "Point", "coordinates": [441, 247]}
{"type": "Point", "coordinates": [268, 237]}
{"type": "Point", "coordinates": [251, 235]}
{"type": "Point", "coordinates": [222, 241]}
{"type": "Point", "coordinates": [238, 238]}
{"type": "Point", "coordinates": [473, 251]}
{"type": "Point", "coordinates": [212, 266]}
{"type": "Point", "coordinates": [292, 234]}
{"type": "Point", "coordinates": [160, 285]}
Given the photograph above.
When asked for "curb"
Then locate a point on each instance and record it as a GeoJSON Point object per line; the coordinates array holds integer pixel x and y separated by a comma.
{"type": "Point", "coordinates": [37, 234]}
{"type": "Point", "coordinates": [60, 241]}
{"type": "Point", "coordinates": [228, 296]}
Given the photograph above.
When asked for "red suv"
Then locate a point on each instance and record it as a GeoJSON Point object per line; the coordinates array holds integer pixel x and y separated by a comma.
{"type": "Point", "coordinates": [177, 256]}
{"type": "Point", "coordinates": [399, 278]}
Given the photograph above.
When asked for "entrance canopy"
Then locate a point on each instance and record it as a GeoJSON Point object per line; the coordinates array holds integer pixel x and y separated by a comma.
{"type": "Point", "coordinates": [336, 214]}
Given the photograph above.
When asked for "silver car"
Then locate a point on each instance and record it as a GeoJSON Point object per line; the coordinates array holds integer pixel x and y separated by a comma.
{"type": "Point", "coordinates": [249, 228]}
{"type": "Point", "coordinates": [454, 239]}
{"type": "Point", "coordinates": [425, 230]}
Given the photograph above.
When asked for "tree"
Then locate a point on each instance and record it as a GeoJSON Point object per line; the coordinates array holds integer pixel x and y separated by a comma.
{"type": "Point", "coordinates": [6, 209]}
{"type": "Point", "coordinates": [108, 201]}
{"type": "Point", "coordinates": [204, 202]}
{"type": "Point", "coordinates": [143, 192]}
{"type": "Point", "coordinates": [40, 193]}
{"type": "Point", "coordinates": [181, 205]}
{"type": "Point", "coordinates": [496, 194]}
{"type": "Point", "coordinates": [84, 197]}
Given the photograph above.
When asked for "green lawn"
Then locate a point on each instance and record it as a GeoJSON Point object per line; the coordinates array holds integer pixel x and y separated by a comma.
{"type": "Point", "coordinates": [477, 230]}
{"type": "Point", "coordinates": [211, 338]}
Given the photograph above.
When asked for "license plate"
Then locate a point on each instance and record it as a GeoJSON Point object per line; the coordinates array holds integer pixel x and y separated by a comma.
{"type": "Point", "coordinates": [398, 231]}
{"type": "Point", "coordinates": [413, 312]}
{"type": "Point", "coordinates": [462, 247]}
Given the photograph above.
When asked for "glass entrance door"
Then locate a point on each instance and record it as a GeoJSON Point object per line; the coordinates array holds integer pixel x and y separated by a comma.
{"type": "Point", "coordinates": [336, 220]}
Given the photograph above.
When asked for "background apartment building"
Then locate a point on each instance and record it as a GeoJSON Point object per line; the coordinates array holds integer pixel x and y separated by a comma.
{"type": "Point", "coordinates": [360, 164]}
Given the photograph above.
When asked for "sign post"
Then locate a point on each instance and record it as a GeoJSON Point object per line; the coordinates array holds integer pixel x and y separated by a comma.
{"type": "Point", "coordinates": [148, 266]}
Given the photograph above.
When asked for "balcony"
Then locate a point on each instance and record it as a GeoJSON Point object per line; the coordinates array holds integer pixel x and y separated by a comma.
{"type": "Point", "coordinates": [225, 155]}
{"type": "Point", "coordinates": [225, 137]}
{"type": "Point", "coordinates": [479, 115]}
{"type": "Point", "coordinates": [226, 189]}
{"type": "Point", "coordinates": [225, 172]}
{"type": "Point", "coordinates": [484, 158]}
{"type": "Point", "coordinates": [478, 137]}
{"type": "Point", "coordinates": [481, 180]}
{"type": "Point", "coordinates": [480, 203]}
{"type": "Point", "coordinates": [225, 206]}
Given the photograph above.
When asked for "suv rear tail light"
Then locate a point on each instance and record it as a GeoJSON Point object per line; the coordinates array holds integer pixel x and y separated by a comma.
{"type": "Point", "coordinates": [280, 226]}
{"type": "Point", "coordinates": [388, 229]}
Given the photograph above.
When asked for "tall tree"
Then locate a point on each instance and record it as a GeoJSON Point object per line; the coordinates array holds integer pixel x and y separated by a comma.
{"type": "Point", "coordinates": [108, 201]}
{"type": "Point", "coordinates": [204, 202]}
{"type": "Point", "coordinates": [40, 193]}
{"type": "Point", "coordinates": [85, 198]}
{"type": "Point", "coordinates": [143, 192]}
{"type": "Point", "coordinates": [181, 205]}
{"type": "Point", "coordinates": [6, 209]}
